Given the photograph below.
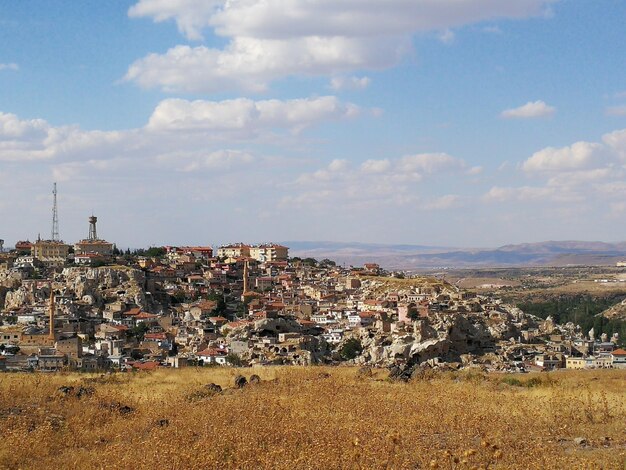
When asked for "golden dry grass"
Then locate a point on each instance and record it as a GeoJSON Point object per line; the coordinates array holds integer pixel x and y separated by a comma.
{"type": "Point", "coordinates": [314, 418]}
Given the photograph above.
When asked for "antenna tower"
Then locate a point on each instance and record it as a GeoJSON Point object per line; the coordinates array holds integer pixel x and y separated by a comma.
{"type": "Point", "coordinates": [55, 215]}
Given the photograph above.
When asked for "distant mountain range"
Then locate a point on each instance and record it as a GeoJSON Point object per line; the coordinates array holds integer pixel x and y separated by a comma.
{"type": "Point", "coordinates": [408, 257]}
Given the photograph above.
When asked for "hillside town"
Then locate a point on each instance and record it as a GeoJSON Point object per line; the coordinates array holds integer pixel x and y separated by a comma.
{"type": "Point", "coordinates": [90, 306]}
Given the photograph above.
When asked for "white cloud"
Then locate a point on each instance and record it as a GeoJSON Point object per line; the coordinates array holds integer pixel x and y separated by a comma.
{"type": "Point", "coordinates": [616, 111]}
{"type": "Point", "coordinates": [175, 126]}
{"type": "Point", "coordinates": [616, 142]}
{"type": "Point", "coordinates": [294, 18]}
{"type": "Point", "coordinates": [9, 66]}
{"type": "Point", "coordinates": [22, 140]}
{"type": "Point", "coordinates": [246, 115]}
{"type": "Point", "coordinates": [375, 166]}
{"type": "Point", "coordinates": [191, 15]}
{"type": "Point", "coordinates": [524, 193]}
{"type": "Point", "coordinates": [578, 179]}
{"type": "Point", "coordinates": [532, 109]}
{"type": "Point", "coordinates": [198, 161]}
{"type": "Point", "coordinates": [582, 173]}
{"type": "Point", "coordinates": [11, 127]}
{"type": "Point", "coordinates": [338, 165]}
{"type": "Point", "coordinates": [272, 39]}
{"type": "Point", "coordinates": [376, 183]}
{"type": "Point", "coordinates": [429, 163]}
{"type": "Point", "coordinates": [578, 156]}
{"type": "Point", "coordinates": [349, 83]}
{"type": "Point", "coordinates": [250, 63]}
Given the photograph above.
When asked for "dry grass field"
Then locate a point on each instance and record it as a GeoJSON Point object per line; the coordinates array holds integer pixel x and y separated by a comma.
{"type": "Point", "coordinates": [326, 418]}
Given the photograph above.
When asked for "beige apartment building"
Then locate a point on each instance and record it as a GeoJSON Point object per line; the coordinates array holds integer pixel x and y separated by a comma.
{"type": "Point", "coordinates": [50, 251]}
{"type": "Point", "coordinates": [236, 250]}
{"type": "Point", "coordinates": [269, 252]}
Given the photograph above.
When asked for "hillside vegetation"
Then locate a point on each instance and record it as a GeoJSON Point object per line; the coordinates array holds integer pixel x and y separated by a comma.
{"type": "Point", "coordinates": [581, 309]}
{"type": "Point", "coordinates": [313, 418]}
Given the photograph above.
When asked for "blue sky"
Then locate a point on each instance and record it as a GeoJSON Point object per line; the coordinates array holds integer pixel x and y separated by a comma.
{"type": "Point", "coordinates": [456, 122]}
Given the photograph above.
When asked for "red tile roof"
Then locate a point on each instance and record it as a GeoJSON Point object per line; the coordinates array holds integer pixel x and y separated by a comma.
{"type": "Point", "coordinates": [212, 352]}
{"type": "Point", "coordinates": [145, 316]}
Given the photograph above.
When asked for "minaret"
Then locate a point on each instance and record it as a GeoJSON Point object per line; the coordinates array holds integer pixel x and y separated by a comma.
{"type": "Point", "coordinates": [51, 334]}
{"type": "Point", "coordinates": [245, 277]}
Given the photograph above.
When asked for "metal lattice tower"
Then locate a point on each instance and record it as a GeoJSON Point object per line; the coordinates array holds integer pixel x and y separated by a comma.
{"type": "Point", "coordinates": [55, 216]}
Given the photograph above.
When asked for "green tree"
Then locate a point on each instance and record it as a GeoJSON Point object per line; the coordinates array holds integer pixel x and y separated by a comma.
{"type": "Point", "coordinates": [138, 331]}
{"type": "Point", "coordinates": [351, 349]}
{"type": "Point", "coordinates": [221, 304]}
{"type": "Point", "coordinates": [155, 252]}
{"type": "Point", "coordinates": [234, 360]}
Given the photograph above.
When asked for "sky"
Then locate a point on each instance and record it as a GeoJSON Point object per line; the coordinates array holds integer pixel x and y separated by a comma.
{"type": "Point", "coordinates": [467, 123]}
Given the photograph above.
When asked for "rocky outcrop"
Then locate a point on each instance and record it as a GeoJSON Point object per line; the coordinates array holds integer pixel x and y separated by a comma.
{"type": "Point", "coordinates": [265, 327]}
{"type": "Point", "coordinates": [447, 336]}
{"type": "Point", "coordinates": [16, 299]}
{"type": "Point", "coordinates": [94, 285]}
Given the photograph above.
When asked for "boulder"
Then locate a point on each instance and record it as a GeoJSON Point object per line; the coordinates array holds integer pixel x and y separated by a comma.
{"type": "Point", "coordinates": [255, 379]}
{"type": "Point", "coordinates": [240, 381]}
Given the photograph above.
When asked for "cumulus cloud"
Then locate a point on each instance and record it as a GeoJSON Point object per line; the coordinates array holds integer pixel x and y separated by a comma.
{"type": "Point", "coordinates": [523, 193]}
{"type": "Point", "coordinates": [246, 115]}
{"type": "Point", "coordinates": [584, 172]}
{"type": "Point", "coordinates": [272, 39]}
{"type": "Point", "coordinates": [191, 15]}
{"type": "Point", "coordinates": [578, 156]}
{"type": "Point", "coordinates": [292, 18]}
{"type": "Point", "coordinates": [532, 109]}
{"type": "Point", "coordinates": [174, 125]}
{"type": "Point", "coordinates": [198, 161]}
{"type": "Point", "coordinates": [376, 183]}
{"type": "Point", "coordinates": [34, 139]}
{"type": "Point", "coordinates": [349, 83]}
{"type": "Point", "coordinates": [429, 163]}
{"type": "Point", "coordinates": [375, 166]}
{"type": "Point", "coordinates": [250, 63]}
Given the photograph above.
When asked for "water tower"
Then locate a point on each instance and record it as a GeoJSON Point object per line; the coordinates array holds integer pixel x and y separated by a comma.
{"type": "Point", "coordinates": [93, 235]}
